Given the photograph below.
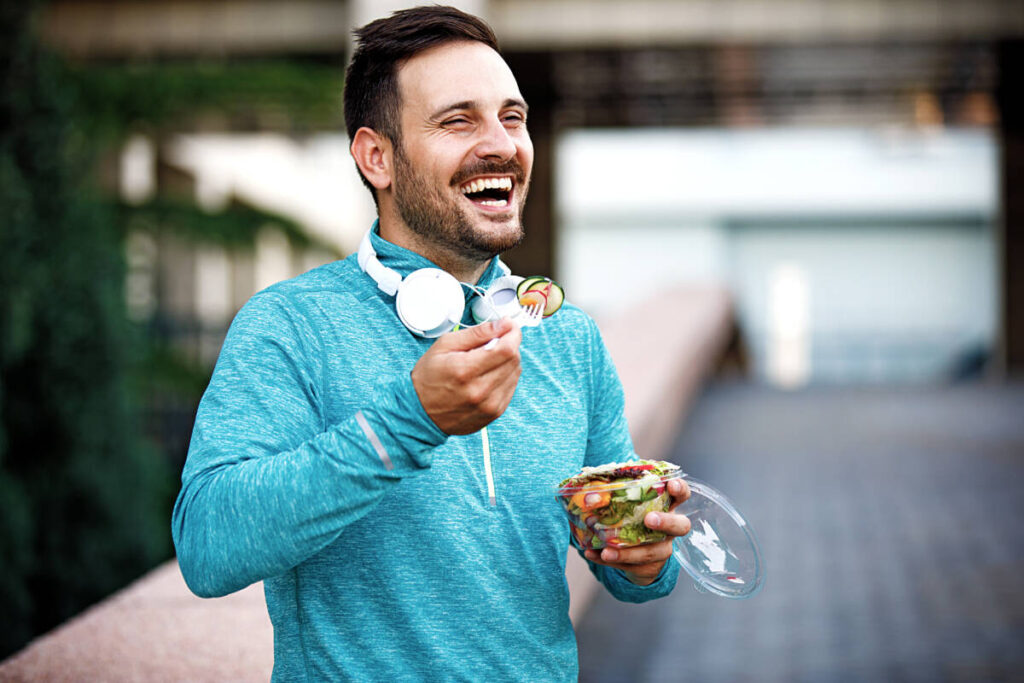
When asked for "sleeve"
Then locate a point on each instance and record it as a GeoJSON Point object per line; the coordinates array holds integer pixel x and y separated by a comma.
{"type": "Point", "coordinates": [609, 441]}
{"type": "Point", "coordinates": [267, 483]}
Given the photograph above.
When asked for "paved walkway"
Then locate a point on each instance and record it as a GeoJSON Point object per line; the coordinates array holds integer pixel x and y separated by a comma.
{"type": "Point", "coordinates": [892, 524]}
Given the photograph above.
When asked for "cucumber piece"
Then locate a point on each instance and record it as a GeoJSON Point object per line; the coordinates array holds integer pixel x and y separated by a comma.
{"type": "Point", "coordinates": [613, 518]}
{"type": "Point", "coordinates": [555, 299]}
{"type": "Point", "coordinates": [554, 296]}
{"type": "Point", "coordinates": [527, 282]}
{"type": "Point", "coordinates": [634, 493]}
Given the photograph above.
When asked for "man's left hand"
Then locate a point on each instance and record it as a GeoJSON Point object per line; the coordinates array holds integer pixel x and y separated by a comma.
{"type": "Point", "coordinates": [643, 563]}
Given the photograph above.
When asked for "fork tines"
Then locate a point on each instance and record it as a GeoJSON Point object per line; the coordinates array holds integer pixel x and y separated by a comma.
{"type": "Point", "coordinates": [532, 315]}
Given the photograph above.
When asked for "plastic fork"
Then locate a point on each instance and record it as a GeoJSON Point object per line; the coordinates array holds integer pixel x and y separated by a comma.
{"type": "Point", "coordinates": [528, 316]}
{"type": "Point", "coordinates": [531, 315]}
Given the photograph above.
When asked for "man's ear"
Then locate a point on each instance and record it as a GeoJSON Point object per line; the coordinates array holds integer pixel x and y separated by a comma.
{"type": "Point", "coordinates": [372, 153]}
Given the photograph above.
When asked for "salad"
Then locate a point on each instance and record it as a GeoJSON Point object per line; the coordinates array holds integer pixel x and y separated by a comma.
{"type": "Point", "coordinates": [606, 505]}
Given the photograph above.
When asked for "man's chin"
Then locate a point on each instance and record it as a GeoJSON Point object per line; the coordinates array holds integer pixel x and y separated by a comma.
{"type": "Point", "coordinates": [499, 235]}
{"type": "Point", "coordinates": [485, 241]}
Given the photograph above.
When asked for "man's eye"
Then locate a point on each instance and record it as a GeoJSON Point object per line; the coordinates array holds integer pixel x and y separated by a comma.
{"type": "Point", "coordinates": [514, 119]}
{"type": "Point", "coordinates": [457, 122]}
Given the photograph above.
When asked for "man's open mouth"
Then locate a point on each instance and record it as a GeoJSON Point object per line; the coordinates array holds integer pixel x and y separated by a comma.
{"type": "Point", "coordinates": [492, 191]}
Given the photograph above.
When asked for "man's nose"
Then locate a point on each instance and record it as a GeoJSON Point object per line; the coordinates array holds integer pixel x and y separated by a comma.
{"type": "Point", "coordinates": [496, 142]}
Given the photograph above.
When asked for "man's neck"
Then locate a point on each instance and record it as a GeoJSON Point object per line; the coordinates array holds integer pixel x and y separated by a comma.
{"type": "Point", "coordinates": [463, 269]}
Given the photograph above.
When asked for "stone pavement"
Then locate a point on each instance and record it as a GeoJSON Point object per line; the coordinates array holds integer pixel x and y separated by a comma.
{"type": "Point", "coordinates": [892, 525]}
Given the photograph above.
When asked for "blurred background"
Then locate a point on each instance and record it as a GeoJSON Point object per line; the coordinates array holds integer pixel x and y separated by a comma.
{"type": "Point", "coordinates": [849, 172]}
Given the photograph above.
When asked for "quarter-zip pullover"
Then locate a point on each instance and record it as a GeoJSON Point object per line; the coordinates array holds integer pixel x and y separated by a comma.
{"type": "Point", "coordinates": [388, 549]}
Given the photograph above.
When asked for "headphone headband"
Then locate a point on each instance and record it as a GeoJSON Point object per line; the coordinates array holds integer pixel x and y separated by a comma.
{"type": "Point", "coordinates": [387, 279]}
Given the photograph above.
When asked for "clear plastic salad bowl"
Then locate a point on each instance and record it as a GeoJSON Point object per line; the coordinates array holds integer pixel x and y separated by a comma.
{"type": "Point", "coordinates": [606, 508]}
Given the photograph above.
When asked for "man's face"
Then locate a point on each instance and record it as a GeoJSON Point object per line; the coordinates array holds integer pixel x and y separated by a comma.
{"type": "Point", "coordinates": [462, 169]}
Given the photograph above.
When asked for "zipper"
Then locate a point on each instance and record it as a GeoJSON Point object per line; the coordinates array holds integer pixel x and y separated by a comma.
{"type": "Point", "coordinates": [487, 466]}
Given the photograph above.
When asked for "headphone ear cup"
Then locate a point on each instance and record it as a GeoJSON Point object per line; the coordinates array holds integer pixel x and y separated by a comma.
{"type": "Point", "coordinates": [499, 301]}
{"type": "Point", "coordinates": [430, 302]}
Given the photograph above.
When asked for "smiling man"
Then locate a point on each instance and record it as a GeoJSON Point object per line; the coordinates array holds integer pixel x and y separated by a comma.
{"type": "Point", "coordinates": [451, 177]}
{"type": "Point", "coordinates": [389, 476]}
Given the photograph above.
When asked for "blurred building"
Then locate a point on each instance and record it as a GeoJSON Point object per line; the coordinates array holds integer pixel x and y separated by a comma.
{"type": "Point", "coordinates": [851, 170]}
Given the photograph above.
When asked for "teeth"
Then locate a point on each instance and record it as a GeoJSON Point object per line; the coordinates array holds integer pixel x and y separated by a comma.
{"type": "Point", "coordinates": [481, 184]}
{"type": "Point", "coordinates": [495, 202]}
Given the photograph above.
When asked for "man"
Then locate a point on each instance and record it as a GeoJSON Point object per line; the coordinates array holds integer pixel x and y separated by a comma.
{"type": "Point", "coordinates": [396, 492]}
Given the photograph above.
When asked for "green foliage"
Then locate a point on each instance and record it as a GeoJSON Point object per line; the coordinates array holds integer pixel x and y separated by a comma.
{"type": "Point", "coordinates": [236, 226]}
{"type": "Point", "coordinates": [176, 95]}
{"type": "Point", "coordinates": [84, 501]}
{"type": "Point", "coordinates": [85, 487]}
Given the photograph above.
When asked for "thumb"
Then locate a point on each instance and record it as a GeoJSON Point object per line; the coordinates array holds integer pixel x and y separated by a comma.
{"type": "Point", "coordinates": [478, 335]}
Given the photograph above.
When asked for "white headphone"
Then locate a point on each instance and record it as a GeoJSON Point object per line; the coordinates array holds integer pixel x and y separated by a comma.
{"type": "Point", "coordinates": [430, 301]}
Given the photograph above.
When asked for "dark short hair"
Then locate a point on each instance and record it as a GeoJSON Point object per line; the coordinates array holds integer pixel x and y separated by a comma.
{"type": "Point", "coordinates": [382, 46]}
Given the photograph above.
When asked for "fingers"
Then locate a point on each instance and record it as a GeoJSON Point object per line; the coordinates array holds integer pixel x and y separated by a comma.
{"type": "Point", "coordinates": [475, 351]}
{"type": "Point", "coordinates": [680, 492]}
{"type": "Point", "coordinates": [488, 371]}
{"type": "Point", "coordinates": [492, 391]}
{"type": "Point", "coordinates": [637, 555]}
{"type": "Point", "coordinates": [671, 524]}
{"type": "Point", "coordinates": [643, 563]}
{"type": "Point", "coordinates": [464, 386]}
{"type": "Point", "coordinates": [498, 349]}
{"type": "Point", "coordinates": [476, 336]}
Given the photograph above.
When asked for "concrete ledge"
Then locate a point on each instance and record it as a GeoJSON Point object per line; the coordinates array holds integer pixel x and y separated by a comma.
{"type": "Point", "coordinates": [156, 630]}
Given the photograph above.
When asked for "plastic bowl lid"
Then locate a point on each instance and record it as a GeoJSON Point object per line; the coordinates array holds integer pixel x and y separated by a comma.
{"type": "Point", "coordinates": [721, 553]}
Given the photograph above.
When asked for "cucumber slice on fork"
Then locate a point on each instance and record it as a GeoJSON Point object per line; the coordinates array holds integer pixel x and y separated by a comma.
{"type": "Point", "coordinates": [552, 292]}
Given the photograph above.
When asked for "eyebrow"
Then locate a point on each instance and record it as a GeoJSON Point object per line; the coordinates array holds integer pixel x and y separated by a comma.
{"type": "Point", "coordinates": [471, 104]}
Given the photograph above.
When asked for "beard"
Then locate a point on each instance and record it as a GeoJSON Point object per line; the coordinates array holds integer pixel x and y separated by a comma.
{"type": "Point", "coordinates": [440, 219]}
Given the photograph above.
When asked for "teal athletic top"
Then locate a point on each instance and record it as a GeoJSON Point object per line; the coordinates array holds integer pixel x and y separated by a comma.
{"type": "Point", "coordinates": [388, 549]}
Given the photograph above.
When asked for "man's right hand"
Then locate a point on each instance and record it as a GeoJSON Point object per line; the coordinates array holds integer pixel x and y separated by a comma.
{"type": "Point", "coordinates": [464, 386]}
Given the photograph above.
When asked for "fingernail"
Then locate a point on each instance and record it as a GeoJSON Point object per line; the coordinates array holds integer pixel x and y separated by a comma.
{"type": "Point", "coordinates": [653, 520]}
{"type": "Point", "coordinates": [610, 555]}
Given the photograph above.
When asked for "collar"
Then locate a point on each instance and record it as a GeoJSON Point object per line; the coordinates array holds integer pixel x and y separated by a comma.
{"type": "Point", "coordinates": [403, 261]}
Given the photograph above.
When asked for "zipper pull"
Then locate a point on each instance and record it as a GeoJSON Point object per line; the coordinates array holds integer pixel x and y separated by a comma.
{"type": "Point", "coordinates": [487, 466]}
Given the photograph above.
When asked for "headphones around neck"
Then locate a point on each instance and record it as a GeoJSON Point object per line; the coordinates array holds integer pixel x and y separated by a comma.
{"type": "Point", "coordinates": [430, 301]}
